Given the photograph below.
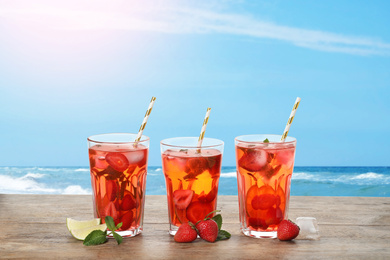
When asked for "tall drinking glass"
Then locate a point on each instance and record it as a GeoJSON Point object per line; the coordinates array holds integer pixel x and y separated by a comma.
{"type": "Point", "coordinates": [118, 175]}
{"type": "Point", "coordinates": [191, 178]}
{"type": "Point", "coordinates": [264, 170]}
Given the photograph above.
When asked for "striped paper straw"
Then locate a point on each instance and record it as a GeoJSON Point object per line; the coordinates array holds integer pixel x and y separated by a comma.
{"type": "Point", "coordinates": [141, 129]}
{"type": "Point", "coordinates": [290, 119]}
{"type": "Point", "coordinates": [206, 119]}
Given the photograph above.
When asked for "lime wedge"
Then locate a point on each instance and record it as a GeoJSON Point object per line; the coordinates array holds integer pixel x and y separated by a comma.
{"type": "Point", "coordinates": [73, 224]}
{"type": "Point", "coordinates": [82, 233]}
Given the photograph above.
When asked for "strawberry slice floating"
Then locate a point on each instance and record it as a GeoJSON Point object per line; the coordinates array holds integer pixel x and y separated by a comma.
{"type": "Point", "coordinates": [110, 210]}
{"type": "Point", "coordinates": [126, 220]}
{"type": "Point", "coordinates": [128, 203]}
{"type": "Point", "coordinates": [263, 201]}
{"type": "Point", "coordinates": [117, 161]}
{"type": "Point", "coordinates": [182, 198]}
{"type": "Point", "coordinates": [198, 211]}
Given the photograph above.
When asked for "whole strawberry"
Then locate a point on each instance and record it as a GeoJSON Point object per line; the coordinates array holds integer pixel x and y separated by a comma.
{"type": "Point", "coordinates": [186, 233]}
{"type": "Point", "coordinates": [208, 230]}
{"type": "Point", "coordinates": [287, 230]}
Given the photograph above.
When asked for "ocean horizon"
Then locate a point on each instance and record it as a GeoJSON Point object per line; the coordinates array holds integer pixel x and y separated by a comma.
{"type": "Point", "coordinates": [306, 181]}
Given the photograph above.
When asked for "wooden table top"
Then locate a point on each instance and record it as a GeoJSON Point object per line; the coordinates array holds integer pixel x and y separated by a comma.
{"type": "Point", "coordinates": [34, 226]}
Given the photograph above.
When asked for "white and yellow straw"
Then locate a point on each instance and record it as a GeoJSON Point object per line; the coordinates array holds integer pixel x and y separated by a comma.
{"type": "Point", "coordinates": [290, 119]}
{"type": "Point", "coordinates": [141, 129]}
{"type": "Point", "coordinates": [206, 119]}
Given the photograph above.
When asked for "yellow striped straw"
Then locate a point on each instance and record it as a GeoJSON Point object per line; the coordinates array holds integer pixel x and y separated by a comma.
{"type": "Point", "coordinates": [141, 129]}
{"type": "Point", "coordinates": [290, 119]}
{"type": "Point", "coordinates": [206, 120]}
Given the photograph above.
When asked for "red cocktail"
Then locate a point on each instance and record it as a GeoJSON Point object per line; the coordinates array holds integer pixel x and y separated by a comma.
{"type": "Point", "coordinates": [118, 176]}
{"type": "Point", "coordinates": [264, 170]}
{"type": "Point", "coordinates": [191, 177]}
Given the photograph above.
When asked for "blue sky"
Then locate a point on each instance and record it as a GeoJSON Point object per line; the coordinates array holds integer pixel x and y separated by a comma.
{"type": "Point", "coordinates": [71, 69]}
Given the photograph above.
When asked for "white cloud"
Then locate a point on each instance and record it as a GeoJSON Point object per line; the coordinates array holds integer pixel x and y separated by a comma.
{"type": "Point", "coordinates": [168, 18]}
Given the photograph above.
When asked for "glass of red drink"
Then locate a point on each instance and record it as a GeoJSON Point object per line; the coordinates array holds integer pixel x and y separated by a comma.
{"type": "Point", "coordinates": [118, 168]}
{"type": "Point", "coordinates": [191, 178]}
{"type": "Point", "coordinates": [264, 170]}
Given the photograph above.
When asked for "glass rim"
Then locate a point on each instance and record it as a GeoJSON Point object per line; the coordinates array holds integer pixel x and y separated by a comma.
{"type": "Point", "coordinates": [219, 142]}
{"type": "Point", "coordinates": [91, 138]}
{"type": "Point", "coordinates": [290, 141]}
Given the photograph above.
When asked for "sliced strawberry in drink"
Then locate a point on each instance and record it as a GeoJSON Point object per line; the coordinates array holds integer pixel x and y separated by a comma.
{"type": "Point", "coordinates": [111, 189]}
{"type": "Point", "coordinates": [209, 197]}
{"type": "Point", "coordinates": [257, 223]}
{"type": "Point", "coordinates": [182, 198]}
{"type": "Point", "coordinates": [110, 210]}
{"type": "Point", "coordinates": [126, 220]}
{"type": "Point", "coordinates": [274, 216]}
{"type": "Point", "coordinates": [263, 201]}
{"type": "Point", "coordinates": [128, 202]}
{"type": "Point", "coordinates": [118, 161]}
{"type": "Point", "coordinates": [181, 216]}
{"type": "Point", "coordinates": [198, 211]}
{"type": "Point", "coordinates": [253, 160]}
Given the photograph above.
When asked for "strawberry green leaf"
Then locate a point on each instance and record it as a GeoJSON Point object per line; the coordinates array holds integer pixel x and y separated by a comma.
{"type": "Point", "coordinates": [117, 237]}
{"type": "Point", "coordinates": [222, 235]}
{"type": "Point", "coordinates": [96, 237]}
{"type": "Point", "coordinates": [218, 219]}
{"type": "Point", "coordinates": [266, 140]}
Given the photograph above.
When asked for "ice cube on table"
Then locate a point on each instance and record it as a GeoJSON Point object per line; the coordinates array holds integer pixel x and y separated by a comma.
{"type": "Point", "coordinates": [308, 228]}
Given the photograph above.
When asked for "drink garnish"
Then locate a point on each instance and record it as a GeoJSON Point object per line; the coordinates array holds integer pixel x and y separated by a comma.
{"type": "Point", "coordinates": [266, 140]}
{"type": "Point", "coordinates": [186, 233]}
{"type": "Point", "coordinates": [98, 237]}
{"type": "Point", "coordinates": [287, 230]}
{"type": "Point", "coordinates": [209, 229]}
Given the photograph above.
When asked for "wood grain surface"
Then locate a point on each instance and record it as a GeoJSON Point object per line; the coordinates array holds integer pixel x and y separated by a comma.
{"type": "Point", "coordinates": [34, 227]}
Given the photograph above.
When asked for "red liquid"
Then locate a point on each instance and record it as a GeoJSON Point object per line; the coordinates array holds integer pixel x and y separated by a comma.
{"type": "Point", "coordinates": [264, 175]}
{"type": "Point", "coordinates": [192, 183]}
{"type": "Point", "coordinates": [118, 177]}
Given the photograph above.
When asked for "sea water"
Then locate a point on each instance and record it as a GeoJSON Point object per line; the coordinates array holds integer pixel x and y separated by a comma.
{"type": "Point", "coordinates": [306, 181]}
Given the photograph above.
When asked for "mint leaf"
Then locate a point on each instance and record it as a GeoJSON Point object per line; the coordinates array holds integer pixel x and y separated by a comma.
{"type": "Point", "coordinates": [218, 219]}
{"type": "Point", "coordinates": [222, 235]}
{"type": "Point", "coordinates": [96, 237]}
{"type": "Point", "coordinates": [117, 237]}
{"type": "Point", "coordinates": [266, 140]}
{"type": "Point", "coordinates": [119, 226]}
{"type": "Point", "coordinates": [110, 223]}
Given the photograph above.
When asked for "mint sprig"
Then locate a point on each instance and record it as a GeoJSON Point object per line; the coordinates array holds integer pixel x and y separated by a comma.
{"type": "Point", "coordinates": [98, 237]}
{"type": "Point", "coordinates": [266, 140]}
{"type": "Point", "coordinates": [111, 225]}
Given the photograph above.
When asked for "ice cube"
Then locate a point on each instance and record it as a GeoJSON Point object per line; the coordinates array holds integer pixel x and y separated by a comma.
{"type": "Point", "coordinates": [308, 228]}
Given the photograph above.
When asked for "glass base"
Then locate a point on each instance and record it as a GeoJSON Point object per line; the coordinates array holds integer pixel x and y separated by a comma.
{"type": "Point", "coordinates": [127, 233]}
{"type": "Point", "coordinates": [259, 234]}
{"type": "Point", "coordinates": [173, 229]}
